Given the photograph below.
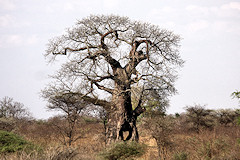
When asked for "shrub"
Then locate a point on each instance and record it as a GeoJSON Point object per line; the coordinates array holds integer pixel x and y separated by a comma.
{"type": "Point", "coordinates": [180, 156]}
{"type": "Point", "coordinates": [124, 150]}
{"type": "Point", "coordinates": [61, 153]}
{"type": "Point", "coordinates": [198, 117]}
{"type": "Point", "coordinates": [213, 149]}
{"type": "Point", "coordinates": [50, 153]}
{"type": "Point", "coordinates": [7, 124]}
{"type": "Point", "coordinates": [227, 117]}
{"type": "Point", "coordinates": [238, 141]}
{"type": "Point", "coordinates": [160, 128]}
{"type": "Point", "coordinates": [10, 142]}
{"type": "Point", "coordinates": [238, 121]}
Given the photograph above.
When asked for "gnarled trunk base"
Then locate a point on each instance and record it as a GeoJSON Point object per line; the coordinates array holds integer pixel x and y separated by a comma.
{"type": "Point", "coordinates": [120, 128]}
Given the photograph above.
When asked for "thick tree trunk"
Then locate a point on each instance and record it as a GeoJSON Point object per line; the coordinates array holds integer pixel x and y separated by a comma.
{"type": "Point", "coordinates": [121, 117]}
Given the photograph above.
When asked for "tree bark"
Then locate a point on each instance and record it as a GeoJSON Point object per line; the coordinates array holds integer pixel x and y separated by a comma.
{"type": "Point", "coordinates": [122, 118]}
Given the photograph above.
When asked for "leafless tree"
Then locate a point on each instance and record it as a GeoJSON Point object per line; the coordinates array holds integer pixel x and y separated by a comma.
{"type": "Point", "coordinates": [108, 56]}
{"type": "Point", "coordinates": [12, 114]}
{"type": "Point", "coordinates": [12, 109]}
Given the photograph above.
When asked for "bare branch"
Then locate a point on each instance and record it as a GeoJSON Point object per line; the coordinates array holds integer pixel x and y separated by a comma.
{"type": "Point", "coordinates": [104, 88]}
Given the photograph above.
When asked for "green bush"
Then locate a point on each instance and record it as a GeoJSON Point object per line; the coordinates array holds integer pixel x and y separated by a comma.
{"type": "Point", "coordinates": [238, 141]}
{"type": "Point", "coordinates": [124, 150]}
{"type": "Point", "coordinates": [238, 121]}
{"type": "Point", "coordinates": [10, 142]}
{"type": "Point", "coordinates": [180, 156]}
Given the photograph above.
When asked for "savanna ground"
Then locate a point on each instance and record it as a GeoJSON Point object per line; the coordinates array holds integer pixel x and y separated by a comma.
{"type": "Point", "coordinates": [181, 142]}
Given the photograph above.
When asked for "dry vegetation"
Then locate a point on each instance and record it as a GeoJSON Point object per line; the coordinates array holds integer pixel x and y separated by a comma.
{"type": "Point", "coordinates": [94, 64]}
{"type": "Point", "coordinates": [175, 139]}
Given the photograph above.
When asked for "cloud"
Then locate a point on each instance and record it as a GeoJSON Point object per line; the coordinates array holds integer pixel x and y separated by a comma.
{"type": "Point", "coordinates": [7, 5]}
{"type": "Point", "coordinates": [9, 21]}
{"type": "Point", "coordinates": [163, 10]}
{"type": "Point", "coordinates": [197, 8]}
{"type": "Point", "coordinates": [198, 26]}
{"type": "Point", "coordinates": [32, 40]}
{"type": "Point", "coordinates": [225, 10]}
{"type": "Point", "coordinates": [16, 40]}
{"type": "Point", "coordinates": [221, 18]}
{"type": "Point", "coordinates": [76, 6]}
{"type": "Point", "coordinates": [68, 7]}
{"type": "Point", "coordinates": [110, 3]}
{"type": "Point", "coordinates": [168, 9]}
{"type": "Point", "coordinates": [231, 5]}
{"type": "Point", "coordinates": [6, 20]}
{"type": "Point", "coordinates": [164, 16]}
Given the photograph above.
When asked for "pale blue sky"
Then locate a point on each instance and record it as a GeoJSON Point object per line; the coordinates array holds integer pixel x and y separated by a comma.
{"type": "Point", "coordinates": [211, 45]}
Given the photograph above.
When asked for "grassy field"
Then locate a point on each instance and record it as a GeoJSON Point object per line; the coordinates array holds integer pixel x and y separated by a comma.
{"type": "Point", "coordinates": [218, 143]}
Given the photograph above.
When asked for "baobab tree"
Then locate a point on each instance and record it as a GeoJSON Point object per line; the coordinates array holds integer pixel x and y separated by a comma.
{"type": "Point", "coordinates": [110, 55]}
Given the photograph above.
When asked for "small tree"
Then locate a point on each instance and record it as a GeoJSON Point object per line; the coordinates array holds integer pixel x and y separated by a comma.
{"type": "Point", "coordinates": [12, 114]}
{"type": "Point", "coordinates": [71, 106]}
{"type": "Point", "coordinates": [198, 117]}
{"type": "Point", "coordinates": [237, 95]}
{"type": "Point", "coordinates": [227, 117]}
{"type": "Point", "coordinates": [12, 109]}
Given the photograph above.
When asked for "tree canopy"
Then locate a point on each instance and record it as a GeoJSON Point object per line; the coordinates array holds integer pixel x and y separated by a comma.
{"type": "Point", "coordinates": [98, 45]}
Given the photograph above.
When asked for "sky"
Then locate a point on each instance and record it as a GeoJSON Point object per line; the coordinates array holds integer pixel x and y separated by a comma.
{"type": "Point", "coordinates": [210, 46]}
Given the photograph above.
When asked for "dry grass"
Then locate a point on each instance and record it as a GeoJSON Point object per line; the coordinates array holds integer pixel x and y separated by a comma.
{"type": "Point", "coordinates": [217, 144]}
